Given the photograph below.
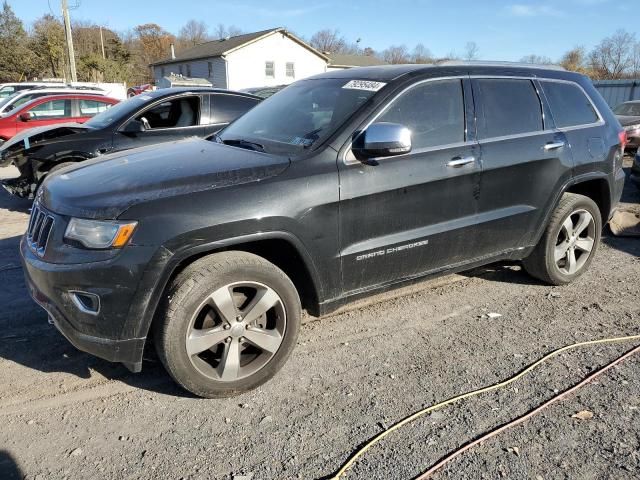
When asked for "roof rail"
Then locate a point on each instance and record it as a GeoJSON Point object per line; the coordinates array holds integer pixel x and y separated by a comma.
{"type": "Point", "coordinates": [479, 63]}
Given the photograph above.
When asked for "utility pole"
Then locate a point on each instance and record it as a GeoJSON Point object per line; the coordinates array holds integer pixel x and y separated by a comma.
{"type": "Point", "coordinates": [102, 43]}
{"type": "Point", "coordinates": [67, 33]}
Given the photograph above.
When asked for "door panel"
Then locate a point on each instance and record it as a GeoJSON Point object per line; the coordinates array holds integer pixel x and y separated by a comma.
{"type": "Point", "coordinates": [521, 169]}
{"type": "Point", "coordinates": [172, 119]}
{"type": "Point", "coordinates": [406, 215]}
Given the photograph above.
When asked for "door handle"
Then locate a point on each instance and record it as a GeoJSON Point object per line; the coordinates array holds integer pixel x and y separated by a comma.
{"type": "Point", "coordinates": [458, 162]}
{"type": "Point", "coordinates": [553, 146]}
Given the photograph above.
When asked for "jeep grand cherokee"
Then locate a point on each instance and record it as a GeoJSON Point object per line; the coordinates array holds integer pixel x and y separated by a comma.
{"type": "Point", "coordinates": [341, 185]}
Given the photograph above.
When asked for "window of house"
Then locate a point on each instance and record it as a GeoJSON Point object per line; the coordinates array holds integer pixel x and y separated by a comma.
{"type": "Point", "coordinates": [510, 106]}
{"type": "Point", "coordinates": [433, 111]}
{"type": "Point", "coordinates": [175, 113]}
{"type": "Point", "coordinates": [89, 108]}
{"type": "Point", "coordinates": [52, 109]}
{"type": "Point", "coordinates": [270, 69]}
{"type": "Point", "coordinates": [569, 105]}
{"type": "Point", "coordinates": [291, 70]}
{"type": "Point", "coordinates": [210, 69]}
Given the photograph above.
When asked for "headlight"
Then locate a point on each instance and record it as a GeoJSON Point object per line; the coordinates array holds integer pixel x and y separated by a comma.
{"type": "Point", "coordinates": [99, 233]}
{"type": "Point", "coordinates": [629, 128]}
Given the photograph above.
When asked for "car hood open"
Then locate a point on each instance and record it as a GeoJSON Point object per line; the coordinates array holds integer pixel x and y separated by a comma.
{"type": "Point", "coordinates": [34, 136]}
{"type": "Point", "coordinates": [103, 188]}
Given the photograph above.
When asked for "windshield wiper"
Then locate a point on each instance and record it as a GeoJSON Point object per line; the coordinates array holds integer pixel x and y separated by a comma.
{"type": "Point", "coordinates": [239, 142]}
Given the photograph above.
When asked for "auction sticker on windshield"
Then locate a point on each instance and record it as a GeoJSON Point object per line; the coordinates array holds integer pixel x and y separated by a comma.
{"type": "Point", "coordinates": [367, 85]}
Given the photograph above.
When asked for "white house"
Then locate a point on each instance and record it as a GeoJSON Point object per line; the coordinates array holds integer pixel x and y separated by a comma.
{"type": "Point", "coordinates": [267, 58]}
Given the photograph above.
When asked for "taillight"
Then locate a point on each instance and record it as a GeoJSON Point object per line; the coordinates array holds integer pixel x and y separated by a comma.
{"type": "Point", "coordinates": [623, 138]}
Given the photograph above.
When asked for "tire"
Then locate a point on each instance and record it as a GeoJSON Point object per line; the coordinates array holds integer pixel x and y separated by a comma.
{"type": "Point", "coordinates": [223, 294]}
{"type": "Point", "coordinates": [575, 224]}
{"type": "Point", "coordinates": [59, 166]}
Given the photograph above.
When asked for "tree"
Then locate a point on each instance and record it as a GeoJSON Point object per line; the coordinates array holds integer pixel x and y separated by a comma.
{"type": "Point", "coordinates": [329, 41]}
{"type": "Point", "coordinates": [223, 31]}
{"type": "Point", "coordinates": [575, 60]}
{"type": "Point", "coordinates": [193, 33]}
{"type": "Point", "coordinates": [48, 46]}
{"type": "Point", "coordinates": [16, 60]}
{"type": "Point", "coordinates": [396, 54]}
{"type": "Point", "coordinates": [613, 56]}
{"type": "Point", "coordinates": [471, 51]}
{"type": "Point", "coordinates": [421, 54]}
{"type": "Point", "coordinates": [537, 59]}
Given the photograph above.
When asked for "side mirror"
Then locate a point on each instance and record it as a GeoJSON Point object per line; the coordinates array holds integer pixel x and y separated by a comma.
{"type": "Point", "coordinates": [133, 127]}
{"type": "Point", "coordinates": [26, 116]}
{"type": "Point", "coordinates": [384, 140]}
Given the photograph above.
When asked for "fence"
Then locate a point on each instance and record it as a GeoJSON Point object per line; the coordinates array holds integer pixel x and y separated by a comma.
{"type": "Point", "coordinates": [617, 91]}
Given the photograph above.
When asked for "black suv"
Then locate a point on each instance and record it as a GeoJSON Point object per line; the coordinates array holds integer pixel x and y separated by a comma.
{"type": "Point", "coordinates": [341, 185]}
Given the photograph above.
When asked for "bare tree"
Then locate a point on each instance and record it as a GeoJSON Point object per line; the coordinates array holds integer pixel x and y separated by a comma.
{"type": "Point", "coordinates": [471, 51]}
{"type": "Point", "coordinates": [537, 59]}
{"type": "Point", "coordinates": [193, 33]}
{"type": "Point", "coordinates": [222, 31]}
{"type": "Point", "coordinates": [396, 54]}
{"type": "Point", "coordinates": [613, 55]}
{"type": "Point", "coordinates": [635, 61]}
{"type": "Point", "coordinates": [369, 52]}
{"type": "Point", "coordinates": [328, 41]}
{"type": "Point", "coordinates": [421, 54]}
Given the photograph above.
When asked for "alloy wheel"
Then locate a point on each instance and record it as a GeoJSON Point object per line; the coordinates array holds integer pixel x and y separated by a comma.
{"type": "Point", "coordinates": [575, 242]}
{"type": "Point", "coordinates": [236, 331]}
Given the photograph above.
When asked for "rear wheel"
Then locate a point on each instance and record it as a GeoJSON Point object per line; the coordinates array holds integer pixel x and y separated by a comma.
{"type": "Point", "coordinates": [230, 322]}
{"type": "Point", "coordinates": [569, 243]}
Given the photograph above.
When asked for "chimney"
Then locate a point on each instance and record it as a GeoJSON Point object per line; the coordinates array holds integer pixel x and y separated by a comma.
{"type": "Point", "coordinates": [173, 52]}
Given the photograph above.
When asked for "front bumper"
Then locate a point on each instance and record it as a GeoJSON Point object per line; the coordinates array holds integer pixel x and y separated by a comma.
{"type": "Point", "coordinates": [113, 333]}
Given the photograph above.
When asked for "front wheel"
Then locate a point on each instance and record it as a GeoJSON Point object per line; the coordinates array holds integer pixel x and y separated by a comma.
{"type": "Point", "coordinates": [569, 243]}
{"type": "Point", "coordinates": [230, 322]}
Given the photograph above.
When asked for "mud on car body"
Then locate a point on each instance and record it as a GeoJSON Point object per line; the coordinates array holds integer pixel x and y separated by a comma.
{"type": "Point", "coordinates": [150, 118]}
{"type": "Point", "coordinates": [339, 186]}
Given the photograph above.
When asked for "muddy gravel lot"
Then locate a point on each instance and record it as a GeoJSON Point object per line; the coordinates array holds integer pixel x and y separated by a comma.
{"type": "Point", "coordinates": [65, 414]}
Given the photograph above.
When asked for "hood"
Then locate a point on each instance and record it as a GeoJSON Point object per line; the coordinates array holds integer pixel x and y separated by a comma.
{"type": "Point", "coordinates": [26, 139]}
{"type": "Point", "coordinates": [626, 120]}
{"type": "Point", "coordinates": [103, 188]}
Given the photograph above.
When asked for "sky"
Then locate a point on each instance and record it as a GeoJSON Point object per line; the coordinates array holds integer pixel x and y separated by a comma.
{"type": "Point", "coordinates": [503, 30]}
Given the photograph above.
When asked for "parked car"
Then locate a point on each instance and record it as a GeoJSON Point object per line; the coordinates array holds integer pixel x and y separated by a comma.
{"type": "Point", "coordinates": [23, 96]}
{"type": "Point", "coordinates": [51, 110]}
{"type": "Point", "coordinates": [264, 92]}
{"type": "Point", "coordinates": [138, 89]}
{"type": "Point", "coordinates": [635, 170]}
{"type": "Point", "coordinates": [341, 185]}
{"type": "Point", "coordinates": [7, 89]}
{"type": "Point", "coordinates": [628, 114]}
{"type": "Point", "coordinates": [154, 117]}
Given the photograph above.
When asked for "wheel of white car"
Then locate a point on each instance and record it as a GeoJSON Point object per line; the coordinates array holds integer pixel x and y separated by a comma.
{"type": "Point", "coordinates": [229, 322]}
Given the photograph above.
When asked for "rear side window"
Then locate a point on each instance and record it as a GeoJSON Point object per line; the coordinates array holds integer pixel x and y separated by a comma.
{"type": "Point", "coordinates": [89, 108]}
{"type": "Point", "coordinates": [569, 105]}
{"type": "Point", "coordinates": [226, 108]}
{"type": "Point", "coordinates": [433, 111]}
{"type": "Point", "coordinates": [511, 107]}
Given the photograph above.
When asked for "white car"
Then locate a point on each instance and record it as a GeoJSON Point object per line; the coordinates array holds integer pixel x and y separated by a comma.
{"type": "Point", "coordinates": [7, 89]}
{"type": "Point", "coordinates": [23, 96]}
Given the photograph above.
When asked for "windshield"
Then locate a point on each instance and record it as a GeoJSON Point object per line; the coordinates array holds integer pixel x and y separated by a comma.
{"type": "Point", "coordinates": [628, 109]}
{"type": "Point", "coordinates": [301, 115]}
{"type": "Point", "coordinates": [9, 99]}
{"type": "Point", "coordinates": [116, 112]}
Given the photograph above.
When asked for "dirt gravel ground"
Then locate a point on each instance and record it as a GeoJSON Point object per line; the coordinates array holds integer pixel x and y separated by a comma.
{"type": "Point", "coordinates": [67, 415]}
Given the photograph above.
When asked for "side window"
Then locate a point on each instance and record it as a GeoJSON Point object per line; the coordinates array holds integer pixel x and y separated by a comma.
{"type": "Point", "coordinates": [226, 108]}
{"type": "Point", "coordinates": [510, 107]}
{"type": "Point", "coordinates": [176, 113]}
{"type": "Point", "coordinates": [269, 69]}
{"type": "Point", "coordinates": [89, 108]}
{"type": "Point", "coordinates": [433, 111]}
{"type": "Point", "coordinates": [569, 105]}
{"type": "Point", "coordinates": [51, 109]}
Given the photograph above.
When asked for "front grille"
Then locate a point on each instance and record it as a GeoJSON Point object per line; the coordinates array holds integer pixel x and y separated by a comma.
{"type": "Point", "coordinates": [40, 227]}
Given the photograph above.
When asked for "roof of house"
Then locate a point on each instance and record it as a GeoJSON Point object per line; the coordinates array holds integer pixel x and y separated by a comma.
{"type": "Point", "coordinates": [344, 60]}
{"type": "Point", "coordinates": [224, 46]}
